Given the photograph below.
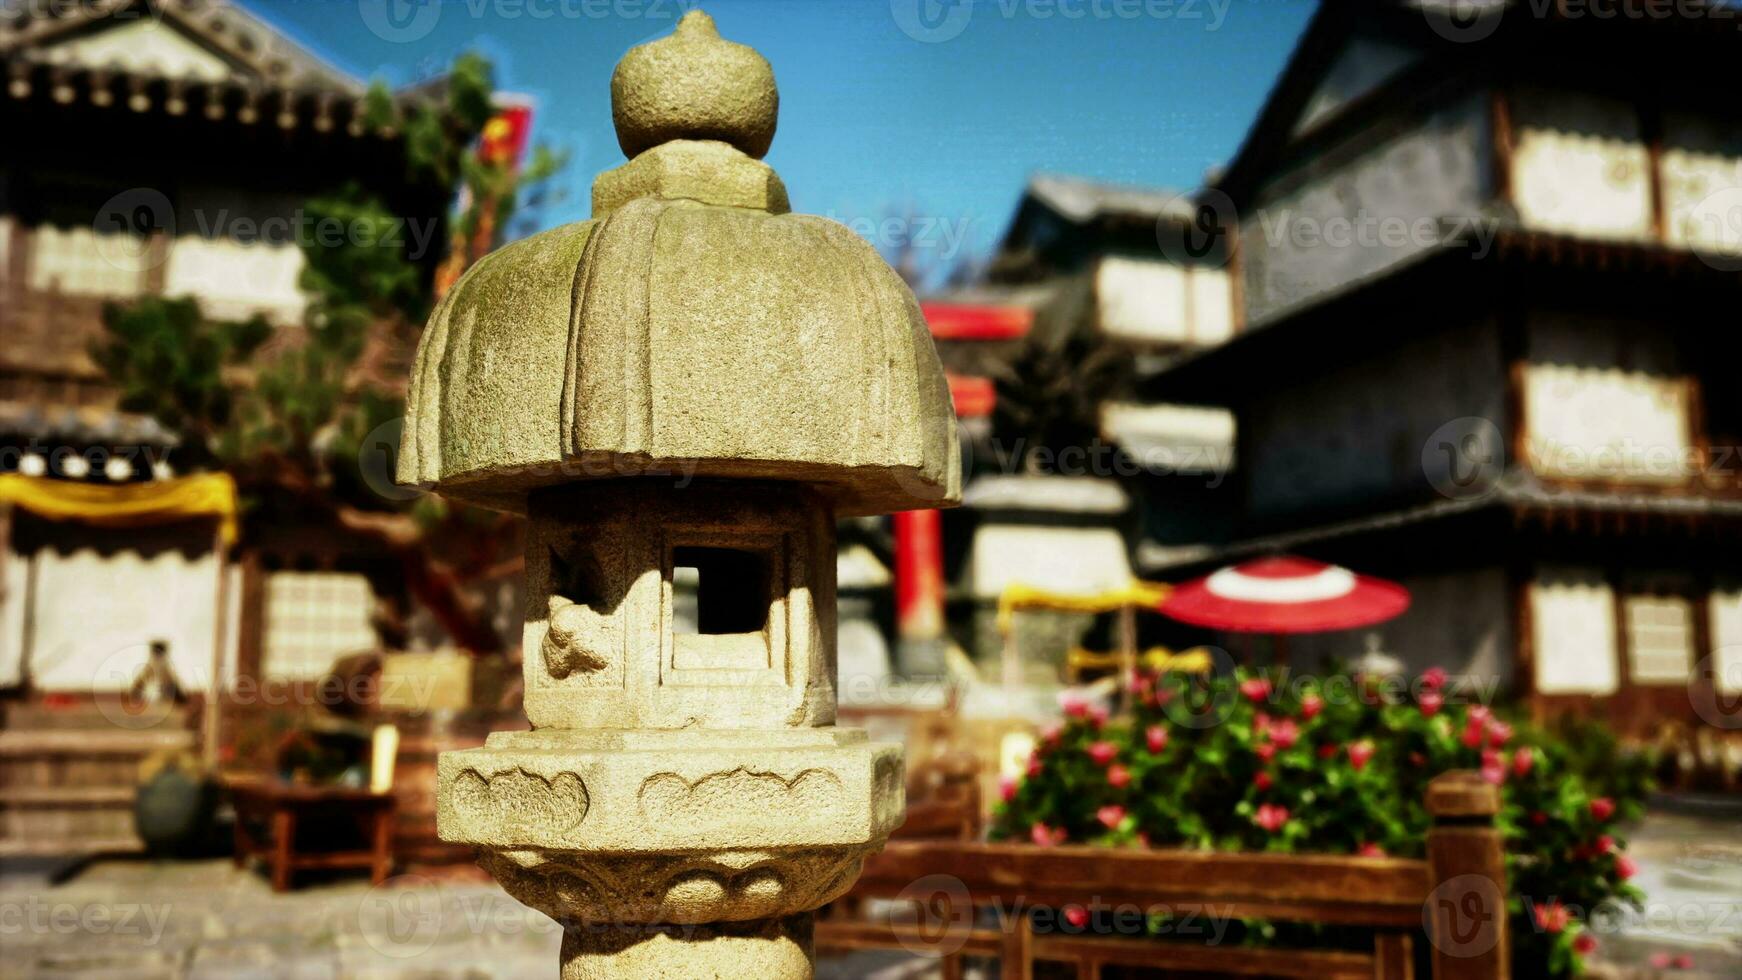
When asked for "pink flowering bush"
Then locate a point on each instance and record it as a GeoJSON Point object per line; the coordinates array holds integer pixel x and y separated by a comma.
{"type": "Point", "coordinates": [1341, 765]}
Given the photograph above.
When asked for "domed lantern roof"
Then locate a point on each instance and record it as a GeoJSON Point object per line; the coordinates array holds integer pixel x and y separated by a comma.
{"type": "Point", "coordinates": [692, 326]}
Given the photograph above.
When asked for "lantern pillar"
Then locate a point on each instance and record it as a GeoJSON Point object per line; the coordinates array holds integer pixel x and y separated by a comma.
{"type": "Point", "coordinates": [681, 395]}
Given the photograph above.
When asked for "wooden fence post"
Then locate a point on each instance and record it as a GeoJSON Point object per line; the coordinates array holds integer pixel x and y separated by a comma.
{"type": "Point", "coordinates": [1465, 915]}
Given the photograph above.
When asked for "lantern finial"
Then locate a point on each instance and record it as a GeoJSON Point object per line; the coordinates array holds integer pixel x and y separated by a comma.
{"type": "Point", "coordinates": [693, 85]}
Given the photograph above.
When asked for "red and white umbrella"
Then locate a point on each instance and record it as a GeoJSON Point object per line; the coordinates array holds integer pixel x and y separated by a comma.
{"type": "Point", "coordinates": [1285, 595]}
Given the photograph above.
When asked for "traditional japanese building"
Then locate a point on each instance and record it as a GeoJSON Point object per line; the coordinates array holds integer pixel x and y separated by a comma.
{"type": "Point", "coordinates": [1082, 296]}
{"type": "Point", "coordinates": [168, 148]}
{"type": "Point", "coordinates": [1485, 266]}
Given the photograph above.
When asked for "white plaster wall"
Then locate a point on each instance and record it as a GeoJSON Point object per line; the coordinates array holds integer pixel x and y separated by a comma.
{"type": "Point", "coordinates": [1156, 301]}
{"type": "Point", "coordinates": [97, 604]}
{"type": "Point", "coordinates": [1605, 399]}
{"type": "Point", "coordinates": [1076, 560]}
{"type": "Point", "coordinates": [234, 281]}
{"type": "Point", "coordinates": [80, 262]}
{"type": "Point", "coordinates": [1702, 182]}
{"type": "Point", "coordinates": [1573, 641]}
{"type": "Point", "coordinates": [145, 45]}
{"type": "Point", "coordinates": [1580, 165]}
{"type": "Point", "coordinates": [1725, 609]}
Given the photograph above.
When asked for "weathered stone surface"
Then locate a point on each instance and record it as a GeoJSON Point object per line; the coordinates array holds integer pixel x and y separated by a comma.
{"type": "Point", "coordinates": [601, 649]}
{"type": "Point", "coordinates": [634, 791]}
{"type": "Point", "coordinates": [704, 171]}
{"type": "Point", "coordinates": [687, 389]}
{"type": "Point", "coordinates": [674, 337]}
{"type": "Point", "coordinates": [693, 327]}
{"type": "Point", "coordinates": [694, 86]}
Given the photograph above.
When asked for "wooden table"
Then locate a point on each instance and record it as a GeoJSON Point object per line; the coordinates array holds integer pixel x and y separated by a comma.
{"type": "Point", "coordinates": [279, 808]}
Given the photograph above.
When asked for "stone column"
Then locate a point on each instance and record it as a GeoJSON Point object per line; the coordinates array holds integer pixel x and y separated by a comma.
{"type": "Point", "coordinates": [681, 395]}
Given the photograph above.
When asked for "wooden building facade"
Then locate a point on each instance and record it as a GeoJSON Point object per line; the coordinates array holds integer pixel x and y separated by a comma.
{"type": "Point", "coordinates": [1488, 276]}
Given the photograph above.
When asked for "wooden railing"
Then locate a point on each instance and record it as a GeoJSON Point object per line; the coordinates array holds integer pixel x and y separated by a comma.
{"type": "Point", "coordinates": [947, 895]}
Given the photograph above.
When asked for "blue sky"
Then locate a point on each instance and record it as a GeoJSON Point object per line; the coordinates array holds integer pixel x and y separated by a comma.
{"type": "Point", "coordinates": [875, 122]}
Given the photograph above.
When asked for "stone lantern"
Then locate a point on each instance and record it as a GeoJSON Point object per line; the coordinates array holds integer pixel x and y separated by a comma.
{"type": "Point", "coordinates": [685, 390]}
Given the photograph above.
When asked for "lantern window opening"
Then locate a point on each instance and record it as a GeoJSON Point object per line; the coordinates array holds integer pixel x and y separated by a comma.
{"type": "Point", "coordinates": [719, 591]}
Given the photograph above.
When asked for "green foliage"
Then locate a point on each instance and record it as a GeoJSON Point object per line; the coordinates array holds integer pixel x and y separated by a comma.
{"type": "Point", "coordinates": [1340, 765]}
{"type": "Point", "coordinates": [366, 273]}
{"type": "Point", "coordinates": [310, 403]}
{"type": "Point", "coordinates": [172, 363]}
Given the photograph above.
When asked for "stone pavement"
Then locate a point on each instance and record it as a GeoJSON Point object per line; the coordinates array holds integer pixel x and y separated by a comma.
{"type": "Point", "coordinates": [1689, 852]}
{"type": "Point", "coordinates": [144, 920]}
{"type": "Point", "coordinates": [202, 919]}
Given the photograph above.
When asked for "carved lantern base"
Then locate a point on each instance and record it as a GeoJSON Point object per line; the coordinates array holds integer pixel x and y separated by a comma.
{"type": "Point", "coordinates": [662, 853]}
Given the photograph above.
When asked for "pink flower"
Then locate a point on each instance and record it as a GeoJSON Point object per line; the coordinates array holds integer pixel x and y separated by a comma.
{"type": "Point", "coordinates": [1584, 944]}
{"type": "Point", "coordinates": [1007, 788]}
{"type": "Point", "coordinates": [1433, 678]}
{"type": "Point", "coordinates": [1605, 845]}
{"type": "Point", "coordinates": [1602, 808]}
{"type": "Point", "coordinates": [1551, 916]}
{"type": "Point", "coordinates": [1156, 738]}
{"type": "Point", "coordinates": [1684, 961]}
{"type": "Point", "coordinates": [1256, 689]}
{"type": "Point", "coordinates": [1498, 733]}
{"type": "Point", "coordinates": [1284, 733]}
{"type": "Point", "coordinates": [1522, 762]}
{"type": "Point", "coordinates": [1310, 706]}
{"type": "Point", "coordinates": [1050, 734]}
{"type": "Point", "coordinates": [1431, 702]}
{"type": "Point", "coordinates": [1359, 753]}
{"type": "Point", "coordinates": [1098, 715]}
{"type": "Point", "coordinates": [1473, 736]}
{"type": "Point", "coordinates": [1102, 752]}
{"type": "Point", "coordinates": [1493, 771]}
{"type": "Point", "coordinates": [1110, 815]}
{"type": "Point", "coordinates": [1262, 780]}
{"type": "Point", "coordinates": [1480, 714]}
{"type": "Point", "coordinates": [1044, 836]}
{"type": "Point", "coordinates": [1265, 750]}
{"type": "Point", "coordinates": [1370, 850]}
{"type": "Point", "coordinates": [1271, 817]}
{"type": "Point", "coordinates": [1625, 867]}
{"type": "Point", "coordinates": [1034, 767]}
{"type": "Point", "coordinates": [1077, 916]}
{"type": "Point", "coordinates": [1661, 960]}
{"type": "Point", "coordinates": [1073, 704]}
{"type": "Point", "coordinates": [1260, 722]}
{"type": "Point", "coordinates": [1118, 776]}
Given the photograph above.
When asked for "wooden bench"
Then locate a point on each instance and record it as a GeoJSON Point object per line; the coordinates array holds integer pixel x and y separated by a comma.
{"type": "Point", "coordinates": [269, 814]}
{"type": "Point", "coordinates": [944, 891]}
